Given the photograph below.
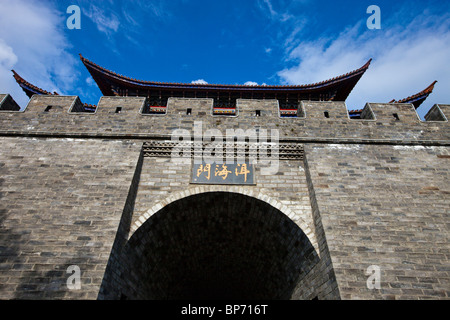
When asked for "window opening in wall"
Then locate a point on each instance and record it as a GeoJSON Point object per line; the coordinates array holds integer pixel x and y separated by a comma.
{"type": "Point", "coordinates": [119, 110]}
{"type": "Point", "coordinates": [189, 111]}
{"type": "Point", "coordinates": [48, 108]}
{"type": "Point", "coordinates": [396, 116]}
{"type": "Point", "coordinates": [326, 114]}
{"type": "Point", "coordinates": [155, 107]}
{"type": "Point", "coordinates": [258, 113]}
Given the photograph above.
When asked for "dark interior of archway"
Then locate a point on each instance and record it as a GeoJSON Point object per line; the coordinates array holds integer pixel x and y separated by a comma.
{"type": "Point", "coordinates": [216, 246]}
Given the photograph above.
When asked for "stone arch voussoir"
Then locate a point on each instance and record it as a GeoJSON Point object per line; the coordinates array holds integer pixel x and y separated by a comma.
{"type": "Point", "coordinates": [305, 227]}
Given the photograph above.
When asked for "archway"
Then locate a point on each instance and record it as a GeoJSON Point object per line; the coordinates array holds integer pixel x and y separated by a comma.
{"type": "Point", "coordinates": [214, 245]}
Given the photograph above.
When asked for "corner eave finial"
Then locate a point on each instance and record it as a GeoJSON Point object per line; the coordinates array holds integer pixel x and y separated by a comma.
{"type": "Point", "coordinates": [430, 87]}
{"type": "Point", "coordinates": [16, 76]}
{"type": "Point", "coordinates": [367, 64]}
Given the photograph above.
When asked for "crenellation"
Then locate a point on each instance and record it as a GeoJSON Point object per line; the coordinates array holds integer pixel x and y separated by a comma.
{"type": "Point", "coordinates": [367, 113]}
{"type": "Point", "coordinates": [436, 113]}
{"type": "Point", "coordinates": [392, 113]}
{"type": "Point", "coordinates": [123, 116]}
{"type": "Point", "coordinates": [77, 107]}
{"type": "Point", "coordinates": [102, 191]}
{"type": "Point", "coordinates": [7, 104]}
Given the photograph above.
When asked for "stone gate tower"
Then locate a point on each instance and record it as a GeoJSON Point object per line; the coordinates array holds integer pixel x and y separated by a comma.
{"type": "Point", "coordinates": [101, 188]}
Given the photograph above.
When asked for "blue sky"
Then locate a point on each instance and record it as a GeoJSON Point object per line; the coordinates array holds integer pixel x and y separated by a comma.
{"type": "Point", "coordinates": [229, 42]}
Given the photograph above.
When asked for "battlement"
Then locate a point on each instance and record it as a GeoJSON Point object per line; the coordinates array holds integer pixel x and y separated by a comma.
{"type": "Point", "coordinates": [7, 103]}
{"type": "Point", "coordinates": [99, 188]}
{"type": "Point", "coordinates": [311, 121]}
{"type": "Point", "coordinates": [322, 197]}
{"type": "Point", "coordinates": [436, 113]}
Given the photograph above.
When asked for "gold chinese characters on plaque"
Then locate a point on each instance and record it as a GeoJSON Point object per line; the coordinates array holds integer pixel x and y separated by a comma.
{"type": "Point", "coordinates": [233, 174]}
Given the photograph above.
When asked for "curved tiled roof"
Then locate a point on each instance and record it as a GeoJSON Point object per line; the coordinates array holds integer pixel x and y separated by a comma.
{"type": "Point", "coordinates": [418, 96]}
{"type": "Point", "coordinates": [30, 89]}
{"type": "Point", "coordinates": [94, 69]}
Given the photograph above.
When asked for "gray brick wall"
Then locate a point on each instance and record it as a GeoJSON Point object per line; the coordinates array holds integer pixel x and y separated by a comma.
{"type": "Point", "coordinates": [76, 189]}
{"type": "Point", "coordinates": [61, 202]}
{"type": "Point", "coordinates": [386, 206]}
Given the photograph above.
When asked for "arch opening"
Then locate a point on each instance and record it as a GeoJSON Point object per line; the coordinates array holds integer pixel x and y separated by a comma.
{"type": "Point", "coordinates": [215, 245]}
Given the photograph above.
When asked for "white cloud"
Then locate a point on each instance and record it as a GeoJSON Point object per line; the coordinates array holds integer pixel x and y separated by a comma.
{"type": "Point", "coordinates": [32, 42]}
{"type": "Point", "coordinates": [7, 57]}
{"type": "Point", "coordinates": [199, 81]}
{"type": "Point", "coordinates": [105, 23]}
{"type": "Point", "coordinates": [267, 6]}
{"type": "Point", "coordinates": [286, 20]}
{"type": "Point", "coordinates": [90, 81]}
{"type": "Point", "coordinates": [405, 61]}
{"type": "Point", "coordinates": [250, 83]}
